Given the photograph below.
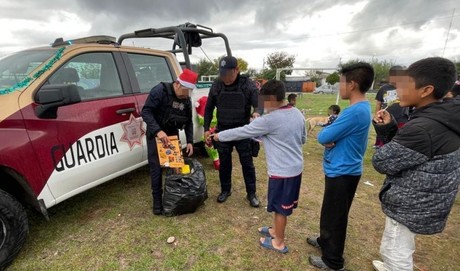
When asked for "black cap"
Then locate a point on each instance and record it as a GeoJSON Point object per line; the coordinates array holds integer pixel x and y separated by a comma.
{"type": "Point", "coordinates": [227, 63]}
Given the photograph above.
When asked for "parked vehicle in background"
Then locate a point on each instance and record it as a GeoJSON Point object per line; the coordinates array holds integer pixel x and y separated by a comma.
{"type": "Point", "coordinates": [70, 118]}
{"type": "Point", "coordinates": [326, 89]}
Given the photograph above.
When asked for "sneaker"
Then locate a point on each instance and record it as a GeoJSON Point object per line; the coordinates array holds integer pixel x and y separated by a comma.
{"type": "Point", "coordinates": [379, 266]}
{"type": "Point", "coordinates": [317, 262]}
{"type": "Point", "coordinates": [313, 241]}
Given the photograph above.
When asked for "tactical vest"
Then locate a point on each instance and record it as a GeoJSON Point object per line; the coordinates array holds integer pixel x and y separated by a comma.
{"type": "Point", "coordinates": [178, 111]}
{"type": "Point", "coordinates": [233, 103]}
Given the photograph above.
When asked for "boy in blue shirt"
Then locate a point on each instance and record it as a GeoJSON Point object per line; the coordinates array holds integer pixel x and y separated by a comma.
{"type": "Point", "coordinates": [345, 142]}
{"type": "Point", "coordinates": [282, 132]}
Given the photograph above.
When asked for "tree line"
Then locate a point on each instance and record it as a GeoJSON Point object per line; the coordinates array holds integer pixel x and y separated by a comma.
{"type": "Point", "coordinates": [282, 59]}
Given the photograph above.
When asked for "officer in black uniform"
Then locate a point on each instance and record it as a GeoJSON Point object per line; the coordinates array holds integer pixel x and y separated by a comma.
{"type": "Point", "coordinates": [167, 109]}
{"type": "Point", "coordinates": [234, 95]}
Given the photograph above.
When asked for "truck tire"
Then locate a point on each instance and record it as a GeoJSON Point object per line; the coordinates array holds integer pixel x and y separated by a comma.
{"type": "Point", "coordinates": [14, 228]}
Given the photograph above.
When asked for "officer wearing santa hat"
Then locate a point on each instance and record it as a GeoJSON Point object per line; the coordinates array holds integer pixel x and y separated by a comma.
{"type": "Point", "coordinates": [167, 109]}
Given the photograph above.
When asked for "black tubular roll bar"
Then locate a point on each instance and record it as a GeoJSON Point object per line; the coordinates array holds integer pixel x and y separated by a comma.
{"type": "Point", "coordinates": [181, 35]}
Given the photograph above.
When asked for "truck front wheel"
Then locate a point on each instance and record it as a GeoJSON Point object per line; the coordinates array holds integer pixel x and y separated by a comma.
{"type": "Point", "coordinates": [14, 228]}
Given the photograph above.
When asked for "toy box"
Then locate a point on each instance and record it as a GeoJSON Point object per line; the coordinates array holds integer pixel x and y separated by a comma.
{"type": "Point", "coordinates": [170, 156]}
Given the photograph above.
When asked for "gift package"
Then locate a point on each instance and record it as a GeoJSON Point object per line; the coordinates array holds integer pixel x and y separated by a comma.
{"type": "Point", "coordinates": [171, 155]}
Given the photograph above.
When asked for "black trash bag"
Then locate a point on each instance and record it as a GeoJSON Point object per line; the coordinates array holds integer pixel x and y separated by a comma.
{"type": "Point", "coordinates": [184, 193]}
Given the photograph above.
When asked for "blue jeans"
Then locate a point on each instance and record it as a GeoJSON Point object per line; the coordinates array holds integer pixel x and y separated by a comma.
{"type": "Point", "coordinates": [397, 246]}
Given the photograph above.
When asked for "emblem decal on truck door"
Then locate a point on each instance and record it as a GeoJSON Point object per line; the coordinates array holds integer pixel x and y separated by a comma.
{"type": "Point", "coordinates": [133, 131]}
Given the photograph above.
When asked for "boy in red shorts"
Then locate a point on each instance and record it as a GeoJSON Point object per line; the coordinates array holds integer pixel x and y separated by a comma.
{"type": "Point", "coordinates": [282, 132]}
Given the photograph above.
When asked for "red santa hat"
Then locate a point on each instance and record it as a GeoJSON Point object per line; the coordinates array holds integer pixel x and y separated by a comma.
{"type": "Point", "coordinates": [188, 78]}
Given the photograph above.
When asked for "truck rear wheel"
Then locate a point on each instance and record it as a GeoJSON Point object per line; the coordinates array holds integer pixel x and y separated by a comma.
{"type": "Point", "coordinates": [14, 228]}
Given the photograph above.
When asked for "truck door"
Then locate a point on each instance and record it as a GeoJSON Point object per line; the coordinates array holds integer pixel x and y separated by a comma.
{"type": "Point", "coordinates": [92, 141]}
{"type": "Point", "coordinates": [147, 71]}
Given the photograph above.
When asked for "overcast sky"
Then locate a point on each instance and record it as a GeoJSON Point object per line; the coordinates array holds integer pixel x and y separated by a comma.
{"type": "Point", "coordinates": [319, 32]}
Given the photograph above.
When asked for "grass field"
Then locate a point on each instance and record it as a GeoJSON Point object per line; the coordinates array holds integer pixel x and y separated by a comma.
{"type": "Point", "coordinates": [112, 227]}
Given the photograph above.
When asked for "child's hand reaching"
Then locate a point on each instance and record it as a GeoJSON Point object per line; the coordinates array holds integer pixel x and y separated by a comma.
{"type": "Point", "coordinates": [215, 137]}
{"type": "Point", "coordinates": [382, 117]}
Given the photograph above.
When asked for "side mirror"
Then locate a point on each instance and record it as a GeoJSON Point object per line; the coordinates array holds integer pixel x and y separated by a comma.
{"type": "Point", "coordinates": [50, 97]}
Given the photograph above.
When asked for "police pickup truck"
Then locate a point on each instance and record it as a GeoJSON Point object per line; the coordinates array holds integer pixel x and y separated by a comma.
{"type": "Point", "coordinates": [70, 118]}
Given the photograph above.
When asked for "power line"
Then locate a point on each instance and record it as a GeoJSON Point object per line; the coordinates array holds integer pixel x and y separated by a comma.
{"type": "Point", "coordinates": [448, 31]}
{"type": "Point", "coordinates": [205, 54]}
{"type": "Point", "coordinates": [212, 63]}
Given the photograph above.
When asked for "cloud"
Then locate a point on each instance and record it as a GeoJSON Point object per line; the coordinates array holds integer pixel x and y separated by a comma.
{"type": "Point", "coordinates": [123, 15]}
{"type": "Point", "coordinates": [385, 26]}
{"type": "Point", "coordinates": [32, 10]}
{"type": "Point", "coordinates": [317, 31]}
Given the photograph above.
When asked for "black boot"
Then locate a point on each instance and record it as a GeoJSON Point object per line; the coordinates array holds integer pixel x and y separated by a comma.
{"type": "Point", "coordinates": [223, 196]}
{"type": "Point", "coordinates": [253, 200]}
{"type": "Point", "coordinates": [157, 206]}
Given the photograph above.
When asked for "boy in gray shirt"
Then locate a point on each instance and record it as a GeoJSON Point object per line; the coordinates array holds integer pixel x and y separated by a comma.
{"type": "Point", "coordinates": [282, 132]}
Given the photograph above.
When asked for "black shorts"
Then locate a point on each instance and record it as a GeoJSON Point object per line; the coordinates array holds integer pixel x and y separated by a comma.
{"type": "Point", "coordinates": [283, 194]}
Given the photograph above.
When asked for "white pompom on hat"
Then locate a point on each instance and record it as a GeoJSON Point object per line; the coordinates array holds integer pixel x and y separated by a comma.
{"type": "Point", "coordinates": [188, 78]}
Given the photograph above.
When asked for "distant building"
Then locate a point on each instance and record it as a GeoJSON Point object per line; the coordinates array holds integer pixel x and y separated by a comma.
{"type": "Point", "coordinates": [299, 83]}
{"type": "Point", "coordinates": [303, 78]}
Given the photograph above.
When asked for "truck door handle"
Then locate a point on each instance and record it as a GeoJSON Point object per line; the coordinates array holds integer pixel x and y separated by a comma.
{"type": "Point", "coordinates": [125, 111]}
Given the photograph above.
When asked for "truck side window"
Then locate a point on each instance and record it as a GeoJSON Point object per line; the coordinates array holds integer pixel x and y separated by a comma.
{"type": "Point", "coordinates": [150, 70]}
{"type": "Point", "coordinates": [95, 75]}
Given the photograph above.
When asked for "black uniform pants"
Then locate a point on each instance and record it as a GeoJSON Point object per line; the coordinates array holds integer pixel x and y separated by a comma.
{"type": "Point", "coordinates": [244, 149]}
{"type": "Point", "coordinates": [338, 197]}
{"type": "Point", "coordinates": [155, 170]}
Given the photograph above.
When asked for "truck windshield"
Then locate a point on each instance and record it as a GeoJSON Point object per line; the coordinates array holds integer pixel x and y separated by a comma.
{"type": "Point", "coordinates": [14, 68]}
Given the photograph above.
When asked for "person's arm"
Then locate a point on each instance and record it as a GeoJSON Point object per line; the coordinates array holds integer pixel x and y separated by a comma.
{"type": "Point", "coordinates": [189, 136]}
{"type": "Point", "coordinates": [339, 129]}
{"type": "Point", "coordinates": [148, 111]}
{"type": "Point", "coordinates": [410, 147]}
{"type": "Point", "coordinates": [304, 134]}
{"type": "Point", "coordinates": [385, 125]}
{"type": "Point", "coordinates": [188, 129]}
{"type": "Point", "coordinates": [258, 127]}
